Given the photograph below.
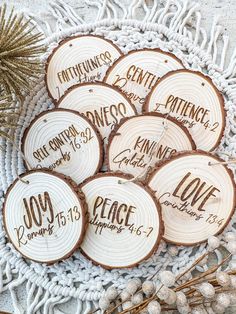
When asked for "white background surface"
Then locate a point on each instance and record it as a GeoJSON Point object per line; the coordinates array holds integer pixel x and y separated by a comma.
{"type": "Point", "coordinates": [209, 8]}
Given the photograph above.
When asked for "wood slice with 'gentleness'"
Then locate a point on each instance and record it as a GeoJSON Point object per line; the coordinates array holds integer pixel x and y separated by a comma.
{"type": "Point", "coordinates": [139, 142]}
{"type": "Point", "coordinates": [138, 71]}
{"type": "Point", "coordinates": [45, 216]}
{"type": "Point", "coordinates": [197, 196]}
{"type": "Point", "coordinates": [125, 225]}
{"type": "Point", "coordinates": [104, 105]}
{"type": "Point", "coordinates": [193, 99]}
{"type": "Point", "coordinates": [79, 59]}
{"type": "Point", "coordinates": [64, 141]}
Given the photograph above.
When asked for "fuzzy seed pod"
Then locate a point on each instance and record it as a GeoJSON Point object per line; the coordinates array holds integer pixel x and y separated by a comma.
{"type": "Point", "coordinates": [217, 308]}
{"type": "Point", "coordinates": [148, 287]}
{"type": "Point", "coordinates": [126, 305]}
{"type": "Point", "coordinates": [138, 282]}
{"type": "Point", "coordinates": [233, 281]}
{"type": "Point", "coordinates": [213, 243]}
{"type": "Point", "coordinates": [111, 293]}
{"type": "Point", "coordinates": [171, 298]}
{"type": "Point", "coordinates": [231, 247]}
{"type": "Point", "coordinates": [230, 236]}
{"type": "Point", "coordinates": [173, 250]}
{"type": "Point", "coordinates": [104, 303]}
{"type": "Point", "coordinates": [154, 307]}
{"type": "Point", "coordinates": [223, 299]}
{"type": "Point", "coordinates": [181, 299]}
{"type": "Point", "coordinates": [125, 295]}
{"type": "Point", "coordinates": [163, 293]}
{"type": "Point", "coordinates": [206, 290]}
{"type": "Point", "coordinates": [223, 278]}
{"type": "Point", "coordinates": [137, 298]}
{"type": "Point", "coordinates": [132, 286]}
{"type": "Point", "coordinates": [185, 309]}
{"type": "Point", "coordinates": [167, 278]}
{"type": "Point", "coordinates": [232, 296]}
{"type": "Point", "coordinates": [198, 310]}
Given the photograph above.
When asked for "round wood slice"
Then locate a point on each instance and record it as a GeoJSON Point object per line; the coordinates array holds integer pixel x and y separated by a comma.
{"type": "Point", "coordinates": [197, 196]}
{"type": "Point", "coordinates": [78, 59]}
{"type": "Point", "coordinates": [45, 216]}
{"type": "Point", "coordinates": [134, 145]}
{"type": "Point", "coordinates": [193, 99]}
{"type": "Point", "coordinates": [64, 141]}
{"type": "Point", "coordinates": [138, 71]}
{"type": "Point", "coordinates": [125, 225]}
{"type": "Point", "coordinates": [104, 105]}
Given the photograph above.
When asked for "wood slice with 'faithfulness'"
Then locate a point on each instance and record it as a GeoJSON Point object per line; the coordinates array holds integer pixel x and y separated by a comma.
{"type": "Point", "coordinates": [104, 105]}
{"type": "Point", "coordinates": [77, 60]}
{"type": "Point", "coordinates": [64, 141]}
{"type": "Point", "coordinates": [45, 216]}
{"type": "Point", "coordinates": [138, 71]}
{"type": "Point", "coordinates": [197, 196]}
{"type": "Point", "coordinates": [193, 99]}
{"type": "Point", "coordinates": [125, 224]}
{"type": "Point", "coordinates": [139, 142]}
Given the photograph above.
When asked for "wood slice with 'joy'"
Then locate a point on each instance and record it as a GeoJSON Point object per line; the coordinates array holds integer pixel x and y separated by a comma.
{"type": "Point", "coordinates": [125, 225]}
{"type": "Point", "coordinates": [104, 105]}
{"type": "Point", "coordinates": [192, 98]}
{"type": "Point", "coordinates": [138, 71]}
{"type": "Point", "coordinates": [139, 142]}
{"type": "Point", "coordinates": [64, 141]}
{"type": "Point", "coordinates": [77, 60]}
{"type": "Point", "coordinates": [45, 216]}
{"type": "Point", "coordinates": [197, 196]}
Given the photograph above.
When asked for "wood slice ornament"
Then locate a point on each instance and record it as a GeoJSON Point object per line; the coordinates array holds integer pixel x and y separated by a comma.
{"type": "Point", "coordinates": [197, 196]}
{"type": "Point", "coordinates": [138, 71]}
{"type": "Point", "coordinates": [78, 59]}
{"type": "Point", "coordinates": [125, 224]}
{"type": "Point", "coordinates": [64, 141]}
{"type": "Point", "coordinates": [139, 142]}
{"type": "Point", "coordinates": [104, 105]}
{"type": "Point", "coordinates": [45, 216]}
{"type": "Point", "coordinates": [192, 98]}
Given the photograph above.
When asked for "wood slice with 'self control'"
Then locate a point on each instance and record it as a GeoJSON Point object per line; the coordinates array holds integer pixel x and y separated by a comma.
{"type": "Point", "coordinates": [104, 105]}
{"type": "Point", "coordinates": [125, 225]}
{"type": "Point", "coordinates": [64, 141]}
{"type": "Point", "coordinates": [45, 216]}
{"type": "Point", "coordinates": [193, 99]}
{"type": "Point", "coordinates": [135, 143]}
{"type": "Point", "coordinates": [197, 196]}
{"type": "Point", "coordinates": [79, 59]}
{"type": "Point", "coordinates": [138, 71]}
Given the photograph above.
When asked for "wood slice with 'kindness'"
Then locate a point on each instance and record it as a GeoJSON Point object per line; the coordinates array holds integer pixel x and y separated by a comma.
{"type": "Point", "coordinates": [138, 71]}
{"type": "Point", "coordinates": [77, 60]}
{"type": "Point", "coordinates": [64, 141]}
{"type": "Point", "coordinates": [125, 225]}
{"type": "Point", "coordinates": [192, 98]}
{"type": "Point", "coordinates": [139, 142]}
{"type": "Point", "coordinates": [104, 105]}
{"type": "Point", "coordinates": [197, 196]}
{"type": "Point", "coordinates": [45, 216]}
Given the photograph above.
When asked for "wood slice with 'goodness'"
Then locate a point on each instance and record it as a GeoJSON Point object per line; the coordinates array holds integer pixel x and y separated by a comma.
{"type": "Point", "coordinates": [104, 105]}
{"type": "Point", "coordinates": [64, 141]}
{"type": "Point", "coordinates": [139, 142]}
{"type": "Point", "coordinates": [138, 71]}
{"type": "Point", "coordinates": [78, 59]}
{"type": "Point", "coordinates": [45, 216]}
{"type": "Point", "coordinates": [125, 225]}
{"type": "Point", "coordinates": [193, 99]}
{"type": "Point", "coordinates": [197, 196]}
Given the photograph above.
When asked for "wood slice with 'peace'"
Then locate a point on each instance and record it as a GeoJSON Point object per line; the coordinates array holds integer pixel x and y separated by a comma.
{"type": "Point", "coordinates": [139, 142]}
{"type": "Point", "coordinates": [64, 141]}
{"type": "Point", "coordinates": [138, 71]}
{"type": "Point", "coordinates": [197, 196]}
{"type": "Point", "coordinates": [104, 105]}
{"type": "Point", "coordinates": [125, 225]}
{"type": "Point", "coordinates": [77, 60]}
{"type": "Point", "coordinates": [45, 216]}
{"type": "Point", "coordinates": [193, 99]}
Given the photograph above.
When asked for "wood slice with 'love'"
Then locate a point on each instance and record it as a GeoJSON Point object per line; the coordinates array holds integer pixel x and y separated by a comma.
{"type": "Point", "coordinates": [45, 216]}
{"type": "Point", "coordinates": [125, 225]}
{"type": "Point", "coordinates": [138, 71]}
{"type": "Point", "coordinates": [139, 142]}
{"type": "Point", "coordinates": [64, 141]}
{"type": "Point", "coordinates": [77, 60]}
{"type": "Point", "coordinates": [192, 98]}
{"type": "Point", "coordinates": [197, 196]}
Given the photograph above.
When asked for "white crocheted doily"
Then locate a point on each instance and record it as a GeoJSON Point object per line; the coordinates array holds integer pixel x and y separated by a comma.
{"type": "Point", "coordinates": [174, 27]}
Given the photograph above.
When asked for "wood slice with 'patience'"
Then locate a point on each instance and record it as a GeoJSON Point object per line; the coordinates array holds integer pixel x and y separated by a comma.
{"type": "Point", "coordinates": [139, 142]}
{"type": "Point", "coordinates": [77, 60]}
{"type": "Point", "coordinates": [125, 225]}
{"type": "Point", "coordinates": [138, 71]}
{"type": "Point", "coordinates": [193, 99]}
{"type": "Point", "coordinates": [45, 216]}
{"type": "Point", "coordinates": [104, 105]}
{"type": "Point", "coordinates": [197, 196]}
{"type": "Point", "coordinates": [64, 141]}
